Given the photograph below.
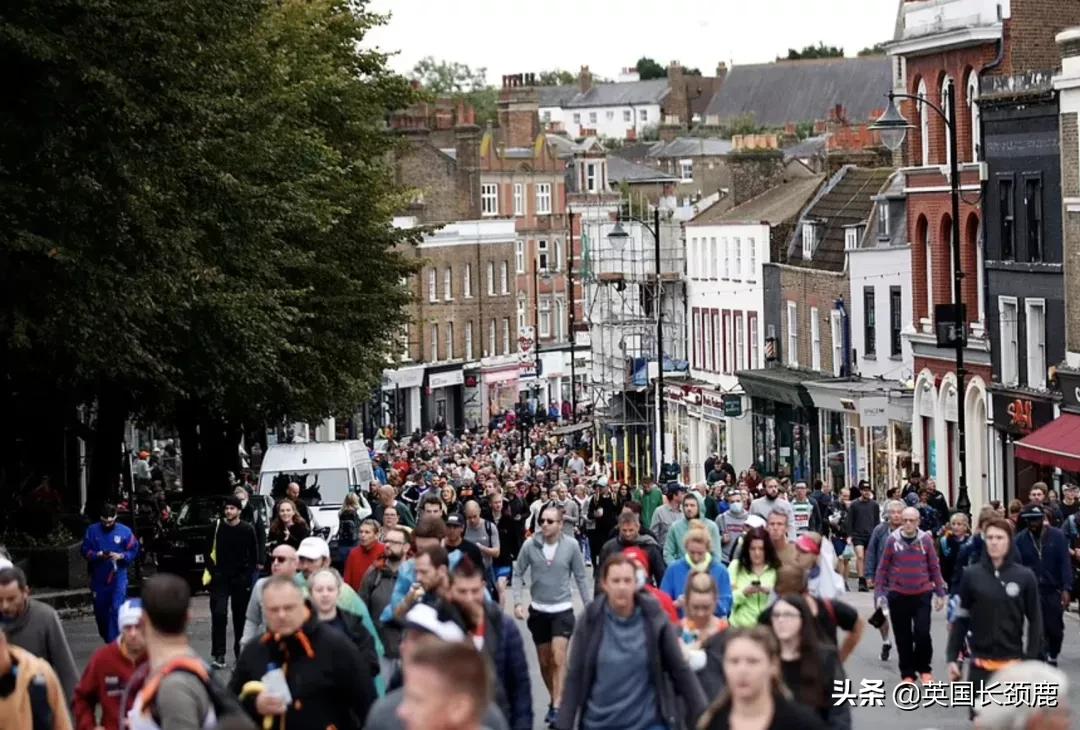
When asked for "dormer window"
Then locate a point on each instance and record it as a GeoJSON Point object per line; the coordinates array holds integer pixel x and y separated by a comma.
{"type": "Point", "coordinates": [809, 240]}
{"type": "Point", "coordinates": [852, 234]}
{"type": "Point", "coordinates": [883, 219]}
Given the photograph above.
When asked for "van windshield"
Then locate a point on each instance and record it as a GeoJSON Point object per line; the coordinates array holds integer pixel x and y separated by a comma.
{"type": "Point", "coordinates": [318, 486]}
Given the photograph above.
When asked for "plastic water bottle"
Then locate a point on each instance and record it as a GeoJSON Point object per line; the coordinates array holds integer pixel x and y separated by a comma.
{"type": "Point", "coordinates": [276, 684]}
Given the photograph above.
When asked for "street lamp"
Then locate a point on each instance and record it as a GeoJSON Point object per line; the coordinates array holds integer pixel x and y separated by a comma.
{"type": "Point", "coordinates": [618, 236]}
{"type": "Point", "coordinates": [537, 276]}
{"type": "Point", "coordinates": [893, 127]}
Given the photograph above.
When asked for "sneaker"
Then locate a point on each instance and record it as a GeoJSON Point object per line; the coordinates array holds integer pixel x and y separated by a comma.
{"type": "Point", "coordinates": [907, 680]}
{"type": "Point", "coordinates": [926, 678]}
{"type": "Point", "coordinates": [552, 714]}
{"type": "Point", "coordinates": [885, 649]}
{"type": "Point", "coordinates": [218, 663]}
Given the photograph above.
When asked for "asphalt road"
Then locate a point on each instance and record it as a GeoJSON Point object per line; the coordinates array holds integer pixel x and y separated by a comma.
{"type": "Point", "coordinates": [864, 664]}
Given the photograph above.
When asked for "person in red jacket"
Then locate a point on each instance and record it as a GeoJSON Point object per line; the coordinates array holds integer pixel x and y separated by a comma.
{"type": "Point", "coordinates": [107, 674]}
{"type": "Point", "coordinates": [641, 560]}
{"type": "Point", "coordinates": [369, 552]}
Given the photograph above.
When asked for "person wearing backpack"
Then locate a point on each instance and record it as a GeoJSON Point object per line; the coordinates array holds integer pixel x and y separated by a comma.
{"type": "Point", "coordinates": [348, 532]}
{"type": "Point", "coordinates": [178, 692]}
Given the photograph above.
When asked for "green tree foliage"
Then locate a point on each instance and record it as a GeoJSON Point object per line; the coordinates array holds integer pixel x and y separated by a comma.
{"type": "Point", "coordinates": [878, 49]}
{"type": "Point", "coordinates": [556, 77]}
{"type": "Point", "coordinates": [819, 51]}
{"type": "Point", "coordinates": [197, 224]}
{"type": "Point", "coordinates": [460, 82]}
{"type": "Point", "coordinates": [742, 124]}
{"type": "Point", "coordinates": [647, 69]}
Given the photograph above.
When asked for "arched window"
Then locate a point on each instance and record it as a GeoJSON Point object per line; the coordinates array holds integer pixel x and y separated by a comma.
{"type": "Point", "coordinates": [946, 92]}
{"type": "Point", "coordinates": [924, 127]}
{"type": "Point", "coordinates": [922, 243]}
{"type": "Point", "coordinates": [973, 115]}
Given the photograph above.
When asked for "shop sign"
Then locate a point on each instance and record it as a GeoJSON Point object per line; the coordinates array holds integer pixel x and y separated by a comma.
{"type": "Point", "coordinates": [445, 380]}
{"type": "Point", "coordinates": [1070, 389]}
{"type": "Point", "coordinates": [673, 392]}
{"type": "Point", "coordinates": [733, 406]}
{"type": "Point", "coordinates": [527, 361]}
{"type": "Point", "coordinates": [712, 399]}
{"type": "Point", "coordinates": [874, 411]}
{"type": "Point", "coordinates": [1019, 415]}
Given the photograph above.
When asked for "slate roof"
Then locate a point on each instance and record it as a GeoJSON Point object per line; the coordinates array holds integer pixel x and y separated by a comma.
{"type": "Point", "coordinates": [691, 147]}
{"type": "Point", "coordinates": [622, 93]}
{"type": "Point", "coordinates": [848, 201]}
{"type": "Point", "coordinates": [801, 91]}
{"type": "Point", "coordinates": [776, 205]}
{"type": "Point", "coordinates": [620, 170]}
{"type": "Point", "coordinates": [809, 147]}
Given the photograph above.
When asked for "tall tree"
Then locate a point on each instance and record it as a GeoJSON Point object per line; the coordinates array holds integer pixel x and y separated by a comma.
{"type": "Point", "coordinates": [878, 49]}
{"type": "Point", "coordinates": [556, 77]}
{"type": "Point", "coordinates": [458, 81]}
{"type": "Point", "coordinates": [647, 69]}
{"type": "Point", "coordinates": [819, 51]}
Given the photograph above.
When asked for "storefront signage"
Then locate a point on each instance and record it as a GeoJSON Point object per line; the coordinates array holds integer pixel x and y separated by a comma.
{"type": "Point", "coordinates": [404, 378]}
{"type": "Point", "coordinates": [445, 380]}
{"type": "Point", "coordinates": [527, 362]}
{"type": "Point", "coordinates": [1019, 415]}
{"type": "Point", "coordinates": [874, 411]}
{"type": "Point", "coordinates": [733, 406]}
{"type": "Point", "coordinates": [673, 392]}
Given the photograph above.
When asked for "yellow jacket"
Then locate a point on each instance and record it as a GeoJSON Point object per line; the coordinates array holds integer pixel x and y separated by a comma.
{"type": "Point", "coordinates": [15, 709]}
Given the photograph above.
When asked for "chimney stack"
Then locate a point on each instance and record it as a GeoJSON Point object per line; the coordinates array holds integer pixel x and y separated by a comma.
{"type": "Point", "coordinates": [584, 80]}
{"type": "Point", "coordinates": [519, 110]}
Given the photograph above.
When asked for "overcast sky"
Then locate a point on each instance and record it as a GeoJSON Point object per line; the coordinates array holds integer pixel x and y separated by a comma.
{"type": "Point", "coordinates": [517, 36]}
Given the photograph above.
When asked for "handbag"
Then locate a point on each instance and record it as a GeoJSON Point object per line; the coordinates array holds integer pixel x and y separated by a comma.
{"type": "Point", "coordinates": [207, 577]}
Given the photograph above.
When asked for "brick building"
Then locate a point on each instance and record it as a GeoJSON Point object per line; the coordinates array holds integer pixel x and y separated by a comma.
{"type": "Point", "coordinates": [963, 49]}
{"type": "Point", "coordinates": [798, 428]}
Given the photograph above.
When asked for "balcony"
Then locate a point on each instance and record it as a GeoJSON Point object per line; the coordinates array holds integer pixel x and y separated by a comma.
{"type": "Point", "coordinates": [934, 25]}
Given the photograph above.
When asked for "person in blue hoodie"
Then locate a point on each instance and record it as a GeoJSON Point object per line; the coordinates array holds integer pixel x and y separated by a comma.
{"type": "Point", "coordinates": [1045, 550]}
{"type": "Point", "coordinates": [110, 548]}
{"type": "Point", "coordinates": [697, 558]}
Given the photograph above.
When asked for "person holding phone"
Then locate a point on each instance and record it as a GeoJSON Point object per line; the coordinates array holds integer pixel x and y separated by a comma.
{"type": "Point", "coordinates": [753, 576]}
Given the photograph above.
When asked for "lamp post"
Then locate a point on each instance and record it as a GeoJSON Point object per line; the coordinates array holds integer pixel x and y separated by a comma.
{"type": "Point", "coordinates": [893, 128]}
{"type": "Point", "coordinates": [618, 237]}
{"type": "Point", "coordinates": [572, 319]}
{"type": "Point", "coordinates": [537, 276]}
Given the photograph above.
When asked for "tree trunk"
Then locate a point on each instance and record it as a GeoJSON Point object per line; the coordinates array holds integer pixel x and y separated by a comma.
{"type": "Point", "coordinates": [106, 460]}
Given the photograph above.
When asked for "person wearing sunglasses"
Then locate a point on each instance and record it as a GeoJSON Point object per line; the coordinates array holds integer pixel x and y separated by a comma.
{"type": "Point", "coordinates": [284, 562]}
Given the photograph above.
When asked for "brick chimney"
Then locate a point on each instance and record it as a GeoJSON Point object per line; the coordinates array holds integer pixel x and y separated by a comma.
{"type": "Point", "coordinates": [467, 153]}
{"type": "Point", "coordinates": [721, 71]}
{"type": "Point", "coordinates": [584, 80]}
{"type": "Point", "coordinates": [519, 110]}
{"type": "Point", "coordinates": [677, 103]}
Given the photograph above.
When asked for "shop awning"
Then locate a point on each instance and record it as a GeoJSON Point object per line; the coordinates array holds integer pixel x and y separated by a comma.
{"type": "Point", "coordinates": [780, 384]}
{"type": "Point", "coordinates": [1055, 444]}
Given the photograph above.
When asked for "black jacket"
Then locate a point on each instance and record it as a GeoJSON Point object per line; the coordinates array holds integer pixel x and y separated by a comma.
{"type": "Point", "coordinates": [353, 626]}
{"type": "Point", "coordinates": [648, 543]}
{"type": "Point", "coordinates": [993, 606]}
{"type": "Point", "coordinates": [787, 715]}
{"type": "Point", "coordinates": [836, 717]}
{"type": "Point", "coordinates": [671, 675]}
{"type": "Point", "coordinates": [237, 553]}
{"type": "Point", "coordinates": [330, 682]}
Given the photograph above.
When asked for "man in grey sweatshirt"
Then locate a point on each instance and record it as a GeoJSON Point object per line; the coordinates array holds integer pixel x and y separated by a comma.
{"type": "Point", "coordinates": [35, 627]}
{"type": "Point", "coordinates": [551, 559]}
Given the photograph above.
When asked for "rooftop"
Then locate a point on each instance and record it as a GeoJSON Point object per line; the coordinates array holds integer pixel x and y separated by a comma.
{"type": "Point", "coordinates": [620, 170]}
{"type": "Point", "coordinates": [690, 147]}
{"type": "Point", "coordinates": [776, 205]}
{"type": "Point", "coordinates": [847, 201]}
{"type": "Point", "coordinates": [803, 91]}
{"type": "Point", "coordinates": [613, 94]}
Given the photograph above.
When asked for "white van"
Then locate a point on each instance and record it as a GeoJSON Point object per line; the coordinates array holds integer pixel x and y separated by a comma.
{"type": "Point", "coordinates": [326, 472]}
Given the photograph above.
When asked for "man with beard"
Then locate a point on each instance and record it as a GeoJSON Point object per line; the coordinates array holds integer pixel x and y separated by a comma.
{"type": "Point", "coordinates": [771, 501]}
{"type": "Point", "coordinates": [110, 548]}
{"type": "Point", "coordinates": [732, 523]}
{"type": "Point", "coordinates": [1045, 551]}
{"type": "Point", "coordinates": [376, 590]}
{"type": "Point", "coordinates": [107, 674]}
{"type": "Point", "coordinates": [630, 536]}
{"type": "Point", "coordinates": [604, 514]}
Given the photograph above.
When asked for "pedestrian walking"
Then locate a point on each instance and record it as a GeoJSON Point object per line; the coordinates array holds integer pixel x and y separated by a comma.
{"type": "Point", "coordinates": [668, 513]}
{"type": "Point", "coordinates": [485, 536]}
{"type": "Point", "coordinates": [805, 514]}
{"type": "Point", "coordinates": [255, 518]}
{"type": "Point", "coordinates": [101, 687]}
{"type": "Point", "coordinates": [753, 576]}
{"type": "Point", "coordinates": [1045, 551]}
{"type": "Point", "coordinates": [701, 623]}
{"type": "Point", "coordinates": [693, 512]}
{"type": "Point", "coordinates": [325, 588]}
{"type": "Point", "coordinates": [348, 532]}
{"type": "Point", "coordinates": [630, 535]}
{"type": "Point", "coordinates": [31, 697]}
{"type": "Point", "coordinates": [627, 668]}
{"type": "Point", "coordinates": [998, 596]}
{"type": "Point", "coordinates": [863, 515]}
{"type": "Point", "coordinates": [302, 676]}
{"type": "Point", "coordinates": [950, 544]}
{"type": "Point", "coordinates": [894, 508]}
{"type": "Point", "coordinates": [810, 668]}
{"type": "Point", "coordinates": [447, 688]}
{"type": "Point", "coordinates": [368, 552]}
{"type": "Point", "coordinates": [778, 525]}
{"type": "Point", "coordinates": [110, 548]}
{"type": "Point", "coordinates": [907, 577]}
{"type": "Point", "coordinates": [754, 697]}
{"type": "Point", "coordinates": [604, 513]}
{"type": "Point", "coordinates": [770, 502]}
{"type": "Point", "coordinates": [650, 498]}
{"type": "Point", "coordinates": [283, 562]}
{"type": "Point", "coordinates": [732, 523]}
{"type": "Point", "coordinates": [831, 615]}
{"type": "Point", "coordinates": [287, 528]}
{"type": "Point", "coordinates": [376, 591]}
{"type": "Point", "coordinates": [698, 558]}
{"type": "Point", "coordinates": [232, 564]}
{"type": "Point", "coordinates": [35, 626]}
{"type": "Point", "coordinates": [550, 560]}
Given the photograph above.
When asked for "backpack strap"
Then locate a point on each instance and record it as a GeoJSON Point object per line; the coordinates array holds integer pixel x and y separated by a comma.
{"type": "Point", "coordinates": [829, 609]}
{"type": "Point", "coordinates": [189, 664]}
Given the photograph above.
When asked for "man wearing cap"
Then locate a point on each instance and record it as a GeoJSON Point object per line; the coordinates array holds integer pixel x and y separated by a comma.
{"type": "Point", "coordinates": [668, 513]}
{"type": "Point", "coordinates": [455, 539]}
{"type": "Point", "coordinates": [1045, 551]}
{"type": "Point", "coordinates": [232, 567]}
{"type": "Point", "coordinates": [110, 548]}
{"type": "Point", "coordinates": [106, 676]}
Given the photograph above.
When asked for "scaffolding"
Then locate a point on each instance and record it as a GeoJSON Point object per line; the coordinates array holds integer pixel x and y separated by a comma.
{"type": "Point", "coordinates": [621, 291]}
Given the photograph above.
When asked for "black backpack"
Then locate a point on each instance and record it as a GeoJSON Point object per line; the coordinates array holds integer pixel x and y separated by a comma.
{"type": "Point", "coordinates": [227, 708]}
{"type": "Point", "coordinates": [348, 533]}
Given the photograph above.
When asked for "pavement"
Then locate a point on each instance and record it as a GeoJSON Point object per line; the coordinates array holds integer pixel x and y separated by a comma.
{"type": "Point", "coordinates": [864, 664]}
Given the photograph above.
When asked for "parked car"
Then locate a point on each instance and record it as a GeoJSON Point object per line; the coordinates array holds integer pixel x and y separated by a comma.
{"type": "Point", "coordinates": [186, 540]}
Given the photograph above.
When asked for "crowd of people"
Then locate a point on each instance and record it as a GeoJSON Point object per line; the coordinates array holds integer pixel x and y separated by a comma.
{"type": "Point", "coordinates": [712, 605]}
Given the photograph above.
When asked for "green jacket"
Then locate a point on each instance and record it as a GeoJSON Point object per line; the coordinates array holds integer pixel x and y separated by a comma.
{"type": "Point", "coordinates": [745, 610]}
{"type": "Point", "coordinates": [649, 502]}
{"type": "Point", "coordinates": [673, 543]}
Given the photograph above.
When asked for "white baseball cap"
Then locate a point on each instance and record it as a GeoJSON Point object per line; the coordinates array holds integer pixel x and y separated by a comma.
{"type": "Point", "coordinates": [130, 613]}
{"type": "Point", "coordinates": [313, 548]}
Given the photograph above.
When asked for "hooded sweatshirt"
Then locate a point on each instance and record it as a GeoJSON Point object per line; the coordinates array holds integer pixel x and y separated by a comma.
{"type": "Point", "coordinates": [908, 568]}
{"type": "Point", "coordinates": [550, 584]}
{"type": "Point", "coordinates": [38, 701]}
{"type": "Point", "coordinates": [38, 630]}
{"type": "Point", "coordinates": [673, 542]}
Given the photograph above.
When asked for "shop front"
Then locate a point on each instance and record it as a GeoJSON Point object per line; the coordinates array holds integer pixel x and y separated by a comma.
{"type": "Point", "coordinates": [1056, 445]}
{"type": "Point", "coordinates": [1018, 414]}
{"type": "Point", "coordinates": [443, 402]}
{"type": "Point", "coordinates": [498, 386]}
{"type": "Point", "coordinates": [865, 428]}
{"type": "Point", "coordinates": [785, 425]}
{"type": "Point", "coordinates": [402, 398]}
